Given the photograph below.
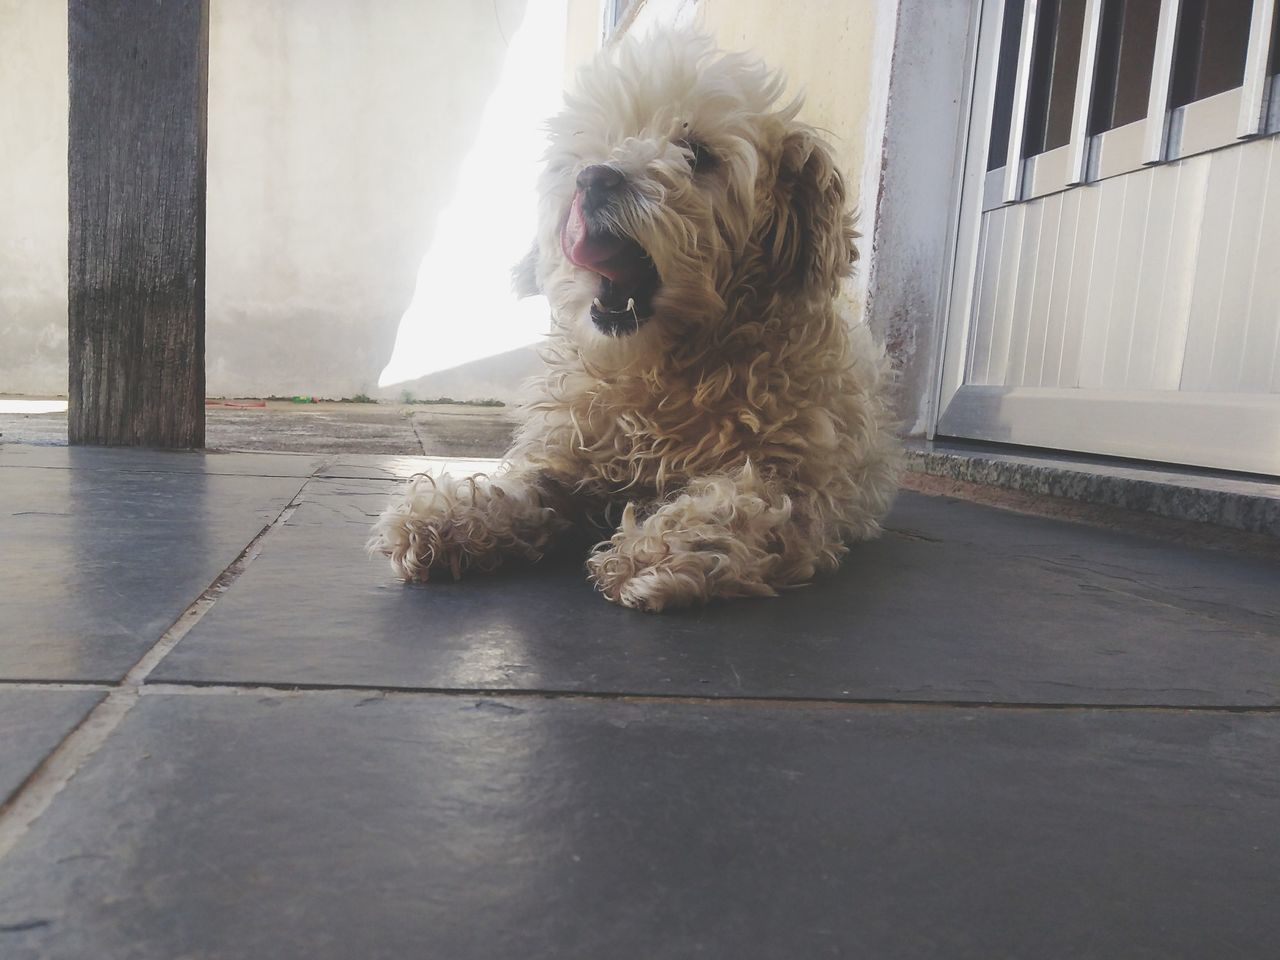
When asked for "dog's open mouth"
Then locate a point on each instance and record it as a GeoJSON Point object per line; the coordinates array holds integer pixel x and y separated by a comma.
{"type": "Point", "coordinates": [628, 278]}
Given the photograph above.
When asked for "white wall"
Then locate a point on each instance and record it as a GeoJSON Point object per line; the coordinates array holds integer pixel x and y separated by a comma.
{"type": "Point", "coordinates": [336, 128]}
{"type": "Point", "coordinates": [33, 197]}
{"type": "Point", "coordinates": [335, 132]}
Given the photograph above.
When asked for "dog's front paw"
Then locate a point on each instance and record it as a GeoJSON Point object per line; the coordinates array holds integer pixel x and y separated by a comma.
{"type": "Point", "coordinates": [448, 524]}
{"type": "Point", "coordinates": [653, 572]}
{"type": "Point", "coordinates": [645, 583]}
{"type": "Point", "coordinates": [418, 534]}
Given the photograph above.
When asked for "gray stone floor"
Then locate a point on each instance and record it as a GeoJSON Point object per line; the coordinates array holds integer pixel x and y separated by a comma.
{"type": "Point", "coordinates": [228, 733]}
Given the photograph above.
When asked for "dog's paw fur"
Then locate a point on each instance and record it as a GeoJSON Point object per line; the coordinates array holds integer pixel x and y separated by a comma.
{"type": "Point", "coordinates": [450, 525]}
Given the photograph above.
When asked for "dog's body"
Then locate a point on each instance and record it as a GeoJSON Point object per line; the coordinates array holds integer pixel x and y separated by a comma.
{"type": "Point", "coordinates": [705, 401]}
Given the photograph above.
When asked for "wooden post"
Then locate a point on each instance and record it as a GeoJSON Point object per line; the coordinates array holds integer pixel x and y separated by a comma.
{"type": "Point", "coordinates": [139, 77]}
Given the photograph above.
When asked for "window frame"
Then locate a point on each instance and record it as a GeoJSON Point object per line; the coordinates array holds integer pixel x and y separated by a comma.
{"type": "Point", "coordinates": [1163, 135]}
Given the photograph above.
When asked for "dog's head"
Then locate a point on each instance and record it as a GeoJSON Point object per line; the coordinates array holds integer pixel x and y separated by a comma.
{"type": "Point", "coordinates": [676, 189]}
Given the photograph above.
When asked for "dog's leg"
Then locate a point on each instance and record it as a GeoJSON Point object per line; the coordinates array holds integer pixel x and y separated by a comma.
{"type": "Point", "coordinates": [456, 524]}
{"type": "Point", "coordinates": [733, 535]}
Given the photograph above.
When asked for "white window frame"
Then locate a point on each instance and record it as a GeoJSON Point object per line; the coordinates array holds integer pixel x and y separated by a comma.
{"type": "Point", "coordinates": [1164, 135]}
{"type": "Point", "coordinates": [1111, 153]}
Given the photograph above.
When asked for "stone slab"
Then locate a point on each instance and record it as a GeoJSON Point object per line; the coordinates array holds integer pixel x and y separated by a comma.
{"type": "Point", "coordinates": [33, 723]}
{"type": "Point", "coordinates": [138, 460]}
{"type": "Point", "coordinates": [368, 467]}
{"type": "Point", "coordinates": [46, 429]}
{"type": "Point", "coordinates": [97, 563]}
{"type": "Point", "coordinates": [1233, 500]}
{"type": "Point", "coordinates": [464, 431]}
{"type": "Point", "coordinates": [336, 826]}
{"type": "Point", "coordinates": [325, 428]}
{"type": "Point", "coordinates": [957, 602]}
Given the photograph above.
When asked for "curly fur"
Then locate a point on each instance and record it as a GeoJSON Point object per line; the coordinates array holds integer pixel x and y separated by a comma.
{"type": "Point", "coordinates": [741, 436]}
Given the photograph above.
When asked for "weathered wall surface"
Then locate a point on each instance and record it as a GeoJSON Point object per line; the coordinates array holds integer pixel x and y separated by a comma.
{"type": "Point", "coordinates": [33, 197]}
{"type": "Point", "coordinates": [913, 215]}
{"type": "Point", "coordinates": [335, 132]}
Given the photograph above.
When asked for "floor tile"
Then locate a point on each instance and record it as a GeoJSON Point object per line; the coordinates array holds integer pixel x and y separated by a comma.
{"type": "Point", "coordinates": [33, 723]}
{"type": "Point", "coordinates": [134, 460]}
{"type": "Point", "coordinates": [97, 563]}
{"type": "Point", "coordinates": [957, 603]}
{"type": "Point", "coordinates": [1215, 583]}
{"type": "Point", "coordinates": [368, 428]}
{"type": "Point", "coordinates": [366, 467]}
{"type": "Point", "coordinates": [336, 826]}
{"type": "Point", "coordinates": [464, 431]}
{"type": "Point", "coordinates": [46, 429]}
{"type": "Point", "coordinates": [354, 428]}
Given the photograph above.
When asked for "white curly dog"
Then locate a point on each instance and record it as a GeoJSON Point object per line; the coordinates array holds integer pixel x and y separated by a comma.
{"type": "Point", "coordinates": [706, 407]}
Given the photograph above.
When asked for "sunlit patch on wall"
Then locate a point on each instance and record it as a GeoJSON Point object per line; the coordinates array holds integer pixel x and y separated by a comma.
{"type": "Point", "coordinates": [463, 308]}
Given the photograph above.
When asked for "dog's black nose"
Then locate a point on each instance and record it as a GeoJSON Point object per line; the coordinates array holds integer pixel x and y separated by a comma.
{"type": "Point", "coordinates": [598, 181]}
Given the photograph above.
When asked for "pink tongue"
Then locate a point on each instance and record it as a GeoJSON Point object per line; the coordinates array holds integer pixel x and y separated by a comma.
{"type": "Point", "coordinates": [592, 253]}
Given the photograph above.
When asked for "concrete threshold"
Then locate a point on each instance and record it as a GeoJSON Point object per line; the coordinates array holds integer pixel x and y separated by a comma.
{"type": "Point", "coordinates": [1250, 504]}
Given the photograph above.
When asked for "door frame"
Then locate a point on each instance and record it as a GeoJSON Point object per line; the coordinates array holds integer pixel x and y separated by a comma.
{"type": "Point", "coordinates": [1190, 426]}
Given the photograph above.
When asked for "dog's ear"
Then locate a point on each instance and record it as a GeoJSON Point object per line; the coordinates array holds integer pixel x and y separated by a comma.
{"type": "Point", "coordinates": [524, 275]}
{"type": "Point", "coordinates": [810, 237]}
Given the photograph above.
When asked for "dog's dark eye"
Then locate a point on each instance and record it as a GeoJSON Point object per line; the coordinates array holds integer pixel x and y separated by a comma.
{"type": "Point", "coordinates": [700, 158]}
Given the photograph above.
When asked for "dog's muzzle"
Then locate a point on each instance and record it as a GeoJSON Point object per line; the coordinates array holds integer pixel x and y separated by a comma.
{"type": "Point", "coordinates": [628, 278]}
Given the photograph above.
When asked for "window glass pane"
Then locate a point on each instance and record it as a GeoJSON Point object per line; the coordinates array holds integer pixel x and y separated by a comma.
{"type": "Point", "coordinates": [1126, 55]}
{"type": "Point", "coordinates": [1054, 65]}
{"type": "Point", "coordinates": [1006, 76]}
{"type": "Point", "coordinates": [1213, 39]}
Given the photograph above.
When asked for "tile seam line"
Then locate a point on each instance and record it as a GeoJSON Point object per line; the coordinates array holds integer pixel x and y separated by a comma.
{"type": "Point", "coordinates": [177, 687]}
{"type": "Point", "coordinates": [213, 687]}
{"type": "Point", "coordinates": [37, 792]}
{"type": "Point", "coordinates": [196, 611]}
{"type": "Point", "coordinates": [417, 435]}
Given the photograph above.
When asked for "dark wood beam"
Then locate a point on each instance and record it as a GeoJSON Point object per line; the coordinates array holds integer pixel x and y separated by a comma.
{"type": "Point", "coordinates": [138, 73]}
